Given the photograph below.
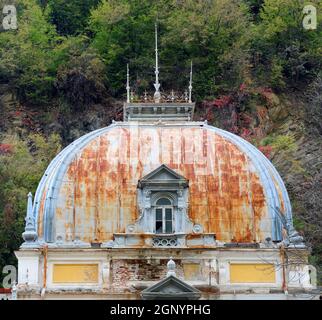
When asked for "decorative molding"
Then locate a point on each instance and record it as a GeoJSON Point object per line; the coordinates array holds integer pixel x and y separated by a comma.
{"type": "Point", "coordinates": [163, 182]}
{"type": "Point", "coordinates": [197, 228]}
{"type": "Point", "coordinates": [171, 288]}
{"type": "Point", "coordinates": [30, 235]}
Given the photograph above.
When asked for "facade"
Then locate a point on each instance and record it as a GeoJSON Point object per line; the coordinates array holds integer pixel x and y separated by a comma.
{"type": "Point", "coordinates": [115, 205]}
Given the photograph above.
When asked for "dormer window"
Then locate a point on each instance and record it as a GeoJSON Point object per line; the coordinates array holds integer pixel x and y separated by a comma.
{"type": "Point", "coordinates": [163, 213]}
{"type": "Point", "coordinates": [163, 204]}
{"type": "Point", "coordinates": [163, 216]}
{"type": "Point", "coordinates": [163, 197]}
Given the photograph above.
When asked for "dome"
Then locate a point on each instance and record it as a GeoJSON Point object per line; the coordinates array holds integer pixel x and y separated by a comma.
{"type": "Point", "coordinates": [89, 191]}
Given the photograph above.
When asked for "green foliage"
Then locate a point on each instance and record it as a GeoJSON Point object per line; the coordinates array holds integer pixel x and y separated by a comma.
{"type": "Point", "coordinates": [124, 33]}
{"type": "Point", "coordinates": [20, 172]}
{"type": "Point", "coordinates": [267, 141]}
{"type": "Point", "coordinates": [280, 142]}
{"type": "Point", "coordinates": [215, 35]}
{"type": "Point", "coordinates": [28, 55]}
{"type": "Point", "coordinates": [212, 34]}
{"type": "Point", "coordinates": [298, 224]}
{"type": "Point", "coordinates": [38, 63]}
{"type": "Point", "coordinates": [287, 52]}
{"type": "Point", "coordinates": [230, 42]}
{"type": "Point", "coordinates": [255, 7]}
{"type": "Point", "coordinates": [81, 80]}
{"type": "Point", "coordinates": [276, 76]}
{"type": "Point", "coordinates": [70, 17]}
{"type": "Point", "coordinates": [284, 143]}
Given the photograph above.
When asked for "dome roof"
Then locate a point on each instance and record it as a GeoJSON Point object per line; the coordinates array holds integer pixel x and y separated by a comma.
{"type": "Point", "coordinates": [89, 191]}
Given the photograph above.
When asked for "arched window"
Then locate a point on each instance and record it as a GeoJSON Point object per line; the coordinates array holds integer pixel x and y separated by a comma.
{"type": "Point", "coordinates": [163, 216]}
{"type": "Point", "coordinates": [163, 202]}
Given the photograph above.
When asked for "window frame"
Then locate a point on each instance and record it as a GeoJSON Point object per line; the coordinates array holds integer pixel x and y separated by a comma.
{"type": "Point", "coordinates": [164, 220]}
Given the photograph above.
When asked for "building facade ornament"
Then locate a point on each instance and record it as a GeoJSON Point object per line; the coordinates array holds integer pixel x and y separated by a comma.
{"type": "Point", "coordinates": [171, 266]}
{"type": "Point", "coordinates": [157, 94]}
{"type": "Point", "coordinates": [30, 234]}
{"type": "Point", "coordinates": [190, 85]}
{"type": "Point", "coordinates": [128, 88]}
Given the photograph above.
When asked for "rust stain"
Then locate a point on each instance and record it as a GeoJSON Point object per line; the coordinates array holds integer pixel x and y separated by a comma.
{"type": "Point", "coordinates": [282, 205]}
{"type": "Point", "coordinates": [45, 254]}
{"type": "Point", "coordinates": [41, 217]}
{"type": "Point", "coordinates": [225, 195]}
{"type": "Point", "coordinates": [192, 236]}
{"type": "Point", "coordinates": [59, 213]}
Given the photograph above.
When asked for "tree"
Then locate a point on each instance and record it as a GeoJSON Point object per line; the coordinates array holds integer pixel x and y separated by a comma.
{"type": "Point", "coordinates": [124, 33]}
{"type": "Point", "coordinates": [70, 17]}
{"type": "Point", "coordinates": [81, 80]}
{"type": "Point", "coordinates": [214, 34]}
{"type": "Point", "coordinates": [287, 51]}
{"type": "Point", "coordinates": [28, 55]}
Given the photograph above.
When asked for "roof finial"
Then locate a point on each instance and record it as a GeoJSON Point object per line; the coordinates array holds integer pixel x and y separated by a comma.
{"type": "Point", "coordinates": [30, 235]}
{"type": "Point", "coordinates": [190, 85]}
{"type": "Point", "coordinates": [157, 95]}
{"type": "Point", "coordinates": [171, 266]}
{"type": "Point", "coordinates": [128, 84]}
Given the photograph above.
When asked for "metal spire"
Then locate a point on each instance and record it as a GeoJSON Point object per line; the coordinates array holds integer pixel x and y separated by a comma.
{"type": "Point", "coordinates": [190, 85]}
{"type": "Point", "coordinates": [128, 84]}
{"type": "Point", "coordinates": [157, 95]}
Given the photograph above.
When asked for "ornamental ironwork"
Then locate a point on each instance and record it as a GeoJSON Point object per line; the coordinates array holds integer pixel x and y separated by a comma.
{"type": "Point", "coordinates": [170, 97]}
{"type": "Point", "coordinates": [165, 242]}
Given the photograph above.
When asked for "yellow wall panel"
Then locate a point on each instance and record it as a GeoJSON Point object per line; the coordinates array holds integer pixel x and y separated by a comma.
{"type": "Point", "coordinates": [248, 273]}
{"type": "Point", "coordinates": [75, 273]}
{"type": "Point", "coordinates": [191, 271]}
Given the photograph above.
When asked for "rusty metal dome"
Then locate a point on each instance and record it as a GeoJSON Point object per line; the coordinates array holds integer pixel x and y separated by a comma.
{"type": "Point", "coordinates": [89, 190]}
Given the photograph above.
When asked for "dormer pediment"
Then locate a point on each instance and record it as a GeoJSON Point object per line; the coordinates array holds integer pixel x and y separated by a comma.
{"type": "Point", "coordinates": [169, 288]}
{"type": "Point", "coordinates": [163, 175]}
